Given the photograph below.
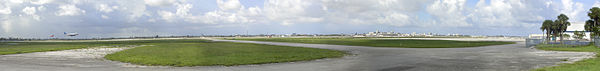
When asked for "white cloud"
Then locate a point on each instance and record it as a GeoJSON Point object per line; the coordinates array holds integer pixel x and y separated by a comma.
{"type": "Point", "coordinates": [398, 13]}
{"type": "Point", "coordinates": [29, 10]}
{"type": "Point", "coordinates": [397, 19]}
{"type": "Point", "coordinates": [596, 4]}
{"type": "Point", "coordinates": [151, 20]}
{"type": "Point", "coordinates": [41, 2]}
{"type": "Point", "coordinates": [496, 14]}
{"type": "Point", "coordinates": [160, 2]}
{"type": "Point", "coordinates": [104, 17]}
{"type": "Point", "coordinates": [229, 5]}
{"type": "Point", "coordinates": [442, 14]}
{"type": "Point", "coordinates": [289, 12]}
{"type": "Point", "coordinates": [217, 17]}
{"type": "Point", "coordinates": [69, 10]}
{"type": "Point", "coordinates": [105, 8]}
{"type": "Point", "coordinates": [132, 9]}
{"type": "Point", "coordinates": [16, 1]}
{"type": "Point", "coordinates": [5, 9]}
{"type": "Point", "coordinates": [168, 16]}
{"type": "Point", "coordinates": [41, 8]}
{"type": "Point", "coordinates": [572, 9]}
{"type": "Point", "coordinates": [6, 26]}
{"type": "Point", "coordinates": [183, 9]}
{"type": "Point", "coordinates": [522, 14]}
{"type": "Point", "coordinates": [449, 13]}
{"type": "Point", "coordinates": [230, 12]}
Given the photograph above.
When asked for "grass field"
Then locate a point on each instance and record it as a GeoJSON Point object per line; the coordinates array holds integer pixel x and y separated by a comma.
{"type": "Point", "coordinates": [184, 52]}
{"type": "Point", "coordinates": [584, 65]}
{"type": "Point", "coordinates": [402, 43]}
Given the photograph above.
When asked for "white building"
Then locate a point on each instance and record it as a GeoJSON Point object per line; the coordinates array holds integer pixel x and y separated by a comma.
{"type": "Point", "coordinates": [576, 26]}
{"type": "Point", "coordinates": [537, 36]}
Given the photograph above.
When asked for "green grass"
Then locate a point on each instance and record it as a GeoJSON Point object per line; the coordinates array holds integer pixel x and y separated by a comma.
{"type": "Point", "coordinates": [403, 43]}
{"type": "Point", "coordinates": [584, 65]}
{"type": "Point", "coordinates": [203, 53]}
{"type": "Point", "coordinates": [184, 52]}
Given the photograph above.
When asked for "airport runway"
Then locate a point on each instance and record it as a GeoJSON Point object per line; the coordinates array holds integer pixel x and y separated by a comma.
{"type": "Point", "coordinates": [511, 57]}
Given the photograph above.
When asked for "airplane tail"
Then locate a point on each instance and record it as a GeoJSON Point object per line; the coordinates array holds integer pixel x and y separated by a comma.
{"type": "Point", "coordinates": [65, 32]}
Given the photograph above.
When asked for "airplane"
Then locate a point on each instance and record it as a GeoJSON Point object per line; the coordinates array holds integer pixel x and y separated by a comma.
{"type": "Point", "coordinates": [71, 34]}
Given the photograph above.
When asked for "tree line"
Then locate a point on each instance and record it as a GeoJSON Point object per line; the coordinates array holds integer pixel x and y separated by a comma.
{"type": "Point", "coordinates": [557, 27]}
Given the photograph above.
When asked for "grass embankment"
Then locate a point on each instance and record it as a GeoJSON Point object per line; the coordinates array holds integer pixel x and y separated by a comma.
{"type": "Point", "coordinates": [592, 64]}
{"type": "Point", "coordinates": [184, 52]}
{"type": "Point", "coordinates": [402, 43]}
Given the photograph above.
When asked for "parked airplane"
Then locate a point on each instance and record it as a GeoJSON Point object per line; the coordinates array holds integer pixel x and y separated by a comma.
{"type": "Point", "coordinates": [71, 34]}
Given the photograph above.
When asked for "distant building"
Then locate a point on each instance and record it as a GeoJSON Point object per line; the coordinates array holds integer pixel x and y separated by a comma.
{"type": "Point", "coordinates": [384, 34]}
{"type": "Point", "coordinates": [537, 36]}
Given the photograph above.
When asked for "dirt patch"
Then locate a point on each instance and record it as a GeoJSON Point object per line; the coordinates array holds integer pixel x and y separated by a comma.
{"type": "Point", "coordinates": [94, 52]}
{"type": "Point", "coordinates": [89, 57]}
{"type": "Point", "coordinates": [565, 56]}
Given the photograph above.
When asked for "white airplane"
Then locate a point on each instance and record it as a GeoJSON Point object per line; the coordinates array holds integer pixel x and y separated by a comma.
{"type": "Point", "coordinates": [71, 34]}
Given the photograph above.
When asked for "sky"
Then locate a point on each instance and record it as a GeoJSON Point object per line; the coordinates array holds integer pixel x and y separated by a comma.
{"type": "Point", "coordinates": [125, 18]}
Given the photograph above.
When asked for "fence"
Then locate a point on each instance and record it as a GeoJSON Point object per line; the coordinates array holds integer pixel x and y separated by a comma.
{"type": "Point", "coordinates": [532, 42]}
{"type": "Point", "coordinates": [597, 41]}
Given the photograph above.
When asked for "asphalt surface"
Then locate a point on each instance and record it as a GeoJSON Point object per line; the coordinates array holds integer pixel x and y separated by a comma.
{"type": "Point", "coordinates": [511, 57]}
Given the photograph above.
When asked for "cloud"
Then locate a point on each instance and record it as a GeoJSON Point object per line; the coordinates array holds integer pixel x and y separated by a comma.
{"type": "Point", "coordinates": [16, 1]}
{"type": "Point", "coordinates": [5, 10]}
{"type": "Point", "coordinates": [168, 16]}
{"type": "Point", "coordinates": [572, 9]}
{"type": "Point", "coordinates": [105, 8]}
{"type": "Point", "coordinates": [522, 14]}
{"type": "Point", "coordinates": [396, 19]}
{"type": "Point", "coordinates": [183, 9]}
{"type": "Point", "coordinates": [229, 5]}
{"type": "Point", "coordinates": [160, 2]}
{"type": "Point", "coordinates": [6, 26]}
{"type": "Point", "coordinates": [220, 17]}
{"type": "Point", "coordinates": [41, 2]}
{"type": "Point", "coordinates": [104, 17]}
{"type": "Point", "coordinates": [493, 16]}
{"type": "Point", "coordinates": [449, 13]}
{"type": "Point", "coordinates": [596, 4]}
{"type": "Point", "coordinates": [289, 12]}
{"type": "Point", "coordinates": [132, 9]}
{"type": "Point", "coordinates": [69, 10]}
{"type": "Point", "coordinates": [229, 12]}
{"type": "Point", "coordinates": [41, 8]}
{"type": "Point", "coordinates": [397, 13]}
{"type": "Point", "coordinates": [29, 10]}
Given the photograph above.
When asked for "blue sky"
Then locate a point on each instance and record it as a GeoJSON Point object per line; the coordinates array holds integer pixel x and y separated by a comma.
{"type": "Point", "coordinates": [124, 18]}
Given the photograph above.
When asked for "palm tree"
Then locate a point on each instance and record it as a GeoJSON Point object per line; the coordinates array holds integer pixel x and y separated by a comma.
{"type": "Point", "coordinates": [593, 24]}
{"type": "Point", "coordinates": [555, 30]}
{"type": "Point", "coordinates": [547, 26]}
{"type": "Point", "coordinates": [591, 27]}
{"type": "Point", "coordinates": [562, 23]}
